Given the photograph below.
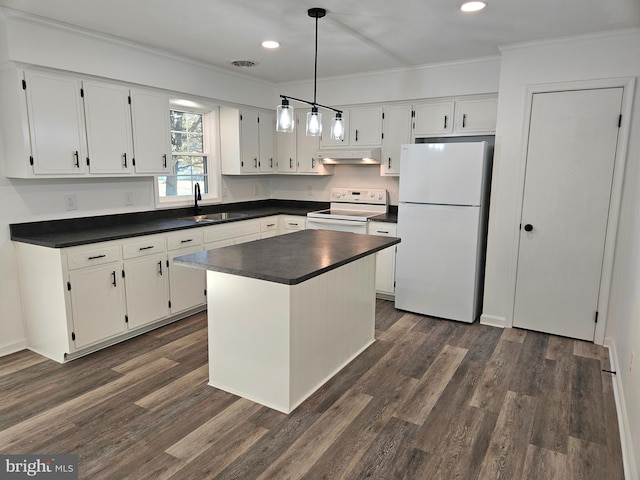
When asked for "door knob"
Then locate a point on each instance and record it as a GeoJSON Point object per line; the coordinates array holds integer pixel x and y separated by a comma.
{"type": "Point", "coordinates": [528, 227]}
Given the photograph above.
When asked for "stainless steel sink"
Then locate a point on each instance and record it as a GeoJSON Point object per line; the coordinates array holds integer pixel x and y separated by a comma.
{"type": "Point", "coordinates": [214, 217]}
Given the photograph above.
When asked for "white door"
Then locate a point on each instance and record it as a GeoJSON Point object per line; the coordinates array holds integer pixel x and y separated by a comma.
{"type": "Point", "coordinates": [570, 158]}
{"type": "Point", "coordinates": [186, 285]}
{"type": "Point", "coordinates": [151, 137]}
{"type": "Point", "coordinates": [146, 289]}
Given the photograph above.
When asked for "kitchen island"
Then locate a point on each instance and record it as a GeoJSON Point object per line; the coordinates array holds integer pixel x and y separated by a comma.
{"type": "Point", "coordinates": [287, 313]}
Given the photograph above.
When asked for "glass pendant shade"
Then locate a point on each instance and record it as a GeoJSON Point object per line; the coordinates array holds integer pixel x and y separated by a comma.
{"type": "Point", "coordinates": [284, 117]}
{"type": "Point", "coordinates": [314, 123]}
{"type": "Point", "coordinates": [337, 128]}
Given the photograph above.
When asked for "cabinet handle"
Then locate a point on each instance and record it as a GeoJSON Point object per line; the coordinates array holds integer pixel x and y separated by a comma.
{"type": "Point", "coordinates": [313, 163]}
{"type": "Point", "coordinates": [77, 157]}
{"type": "Point", "coordinates": [160, 267]}
{"type": "Point", "coordinates": [124, 155]}
{"type": "Point", "coordinates": [164, 161]}
{"type": "Point", "coordinates": [383, 231]}
{"type": "Point", "coordinates": [389, 163]}
{"type": "Point", "coordinates": [291, 163]}
{"type": "Point", "coordinates": [292, 224]}
{"type": "Point", "coordinates": [96, 257]}
{"type": "Point", "coordinates": [271, 225]}
{"type": "Point", "coordinates": [356, 134]}
{"type": "Point", "coordinates": [146, 248]}
{"type": "Point", "coordinates": [113, 281]}
{"type": "Point", "coordinates": [271, 163]}
{"type": "Point", "coordinates": [446, 118]}
{"type": "Point", "coordinates": [187, 240]}
{"type": "Point", "coordinates": [255, 163]}
{"type": "Point", "coordinates": [464, 120]}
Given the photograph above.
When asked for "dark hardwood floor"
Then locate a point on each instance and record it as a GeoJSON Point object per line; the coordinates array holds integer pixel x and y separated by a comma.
{"type": "Point", "coordinates": [430, 399]}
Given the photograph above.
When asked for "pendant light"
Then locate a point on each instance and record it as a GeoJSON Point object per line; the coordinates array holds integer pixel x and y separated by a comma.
{"type": "Point", "coordinates": [285, 113]}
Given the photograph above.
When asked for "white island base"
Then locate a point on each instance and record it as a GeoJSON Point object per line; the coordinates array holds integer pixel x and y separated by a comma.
{"type": "Point", "coordinates": [276, 344]}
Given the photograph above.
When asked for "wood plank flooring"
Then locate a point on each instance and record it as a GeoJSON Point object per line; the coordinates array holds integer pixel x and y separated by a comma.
{"type": "Point", "coordinates": [430, 399]}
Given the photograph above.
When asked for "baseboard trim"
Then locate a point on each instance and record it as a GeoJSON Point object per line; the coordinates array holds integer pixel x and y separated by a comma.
{"type": "Point", "coordinates": [493, 321]}
{"type": "Point", "coordinates": [13, 347]}
{"type": "Point", "coordinates": [626, 442]}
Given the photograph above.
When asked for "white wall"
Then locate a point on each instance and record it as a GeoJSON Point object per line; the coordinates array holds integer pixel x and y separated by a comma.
{"type": "Point", "coordinates": [569, 60]}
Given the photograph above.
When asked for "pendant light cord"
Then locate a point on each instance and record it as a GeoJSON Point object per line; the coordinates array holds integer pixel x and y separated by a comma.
{"type": "Point", "coordinates": [315, 66]}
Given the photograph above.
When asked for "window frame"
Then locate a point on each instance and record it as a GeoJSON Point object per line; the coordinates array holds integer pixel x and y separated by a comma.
{"type": "Point", "coordinates": [211, 147]}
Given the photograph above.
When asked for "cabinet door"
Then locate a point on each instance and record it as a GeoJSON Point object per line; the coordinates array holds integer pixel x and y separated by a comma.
{"type": "Point", "coordinates": [97, 303]}
{"type": "Point", "coordinates": [267, 130]}
{"type": "Point", "coordinates": [397, 131]}
{"type": "Point", "coordinates": [286, 152]}
{"type": "Point", "coordinates": [306, 146]}
{"type": "Point", "coordinates": [108, 118]}
{"type": "Point", "coordinates": [476, 116]}
{"type": "Point", "coordinates": [146, 287]}
{"type": "Point", "coordinates": [249, 135]}
{"type": "Point", "coordinates": [56, 124]}
{"type": "Point", "coordinates": [365, 126]}
{"type": "Point", "coordinates": [151, 136]}
{"type": "Point", "coordinates": [186, 285]}
{"type": "Point", "coordinates": [385, 259]}
{"type": "Point", "coordinates": [433, 119]}
{"type": "Point", "coordinates": [325, 139]}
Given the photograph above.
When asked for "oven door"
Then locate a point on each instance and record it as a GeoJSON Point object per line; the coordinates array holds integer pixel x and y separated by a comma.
{"type": "Point", "coordinates": [352, 226]}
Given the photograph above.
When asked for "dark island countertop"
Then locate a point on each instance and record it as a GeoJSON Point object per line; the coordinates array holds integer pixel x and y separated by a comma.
{"type": "Point", "coordinates": [289, 259]}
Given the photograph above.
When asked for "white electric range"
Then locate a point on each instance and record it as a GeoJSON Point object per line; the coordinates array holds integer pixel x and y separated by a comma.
{"type": "Point", "coordinates": [350, 209]}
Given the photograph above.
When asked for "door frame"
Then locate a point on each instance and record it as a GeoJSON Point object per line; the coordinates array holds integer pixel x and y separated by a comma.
{"type": "Point", "coordinates": [627, 84]}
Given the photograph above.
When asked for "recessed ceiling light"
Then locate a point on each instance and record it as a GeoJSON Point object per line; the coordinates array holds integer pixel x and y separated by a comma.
{"type": "Point", "coordinates": [473, 6]}
{"type": "Point", "coordinates": [270, 44]}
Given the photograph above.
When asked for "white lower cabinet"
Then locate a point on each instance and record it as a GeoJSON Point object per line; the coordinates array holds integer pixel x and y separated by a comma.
{"type": "Point", "coordinates": [385, 259]}
{"type": "Point", "coordinates": [187, 286]}
{"type": "Point", "coordinates": [97, 303]}
{"type": "Point", "coordinates": [147, 289]}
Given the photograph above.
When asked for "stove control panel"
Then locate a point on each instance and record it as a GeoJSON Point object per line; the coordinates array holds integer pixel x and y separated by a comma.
{"type": "Point", "coordinates": [373, 196]}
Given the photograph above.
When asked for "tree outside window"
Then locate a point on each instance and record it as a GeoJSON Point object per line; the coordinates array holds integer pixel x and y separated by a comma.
{"type": "Point", "coordinates": [189, 159]}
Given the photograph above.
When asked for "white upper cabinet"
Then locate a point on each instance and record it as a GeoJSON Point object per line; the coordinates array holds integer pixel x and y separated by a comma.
{"type": "Point", "coordinates": [286, 152]}
{"type": "Point", "coordinates": [397, 131]}
{"type": "Point", "coordinates": [306, 149]}
{"type": "Point", "coordinates": [365, 126]}
{"type": "Point", "coordinates": [266, 141]}
{"type": "Point", "coordinates": [456, 117]}
{"type": "Point", "coordinates": [362, 128]}
{"type": "Point", "coordinates": [56, 127]}
{"type": "Point", "coordinates": [244, 144]}
{"type": "Point", "coordinates": [476, 116]}
{"type": "Point", "coordinates": [432, 119]}
{"type": "Point", "coordinates": [151, 135]}
{"type": "Point", "coordinates": [108, 117]}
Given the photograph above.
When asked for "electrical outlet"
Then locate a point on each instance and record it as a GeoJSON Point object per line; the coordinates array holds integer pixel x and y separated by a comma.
{"type": "Point", "coordinates": [128, 198]}
{"type": "Point", "coordinates": [631, 362]}
{"type": "Point", "coordinates": [255, 189]}
{"type": "Point", "coordinates": [310, 190]}
{"type": "Point", "coordinates": [70, 201]}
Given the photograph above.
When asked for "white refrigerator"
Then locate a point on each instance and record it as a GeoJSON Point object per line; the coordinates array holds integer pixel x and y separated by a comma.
{"type": "Point", "coordinates": [442, 218]}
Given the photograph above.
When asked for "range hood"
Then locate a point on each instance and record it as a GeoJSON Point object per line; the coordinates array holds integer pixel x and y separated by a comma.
{"type": "Point", "coordinates": [349, 157]}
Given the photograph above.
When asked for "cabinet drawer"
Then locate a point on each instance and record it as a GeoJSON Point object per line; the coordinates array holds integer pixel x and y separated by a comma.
{"type": "Point", "coordinates": [382, 229]}
{"type": "Point", "coordinates": [143, 246]}
{"type": "Point", "coordinates": [294, 223]}
{"type": "Point", "coordinates": [268, 224]}
{"type": "Point", "coordinates": [94, 255]}
{"type": "Point", "coordinates": [188, 238]}
{"type": "Point", "coordinates": [231, 230]}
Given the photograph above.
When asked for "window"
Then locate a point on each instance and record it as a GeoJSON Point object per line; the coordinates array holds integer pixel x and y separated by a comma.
{"type": "Point", "coordinates": [189, 156]}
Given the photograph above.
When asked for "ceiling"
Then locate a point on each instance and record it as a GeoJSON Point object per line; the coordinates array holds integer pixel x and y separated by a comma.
{"type": "Point", "coordinates": [355, 36]}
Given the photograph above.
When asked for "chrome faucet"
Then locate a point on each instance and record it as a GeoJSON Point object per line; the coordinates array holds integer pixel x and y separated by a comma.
{"type": "Point", "coordinates": [196, 197]}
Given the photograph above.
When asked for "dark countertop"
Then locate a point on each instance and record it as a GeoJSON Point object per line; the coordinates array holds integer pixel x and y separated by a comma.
{"type": "Point", "coordinates": [81, 231]}
{"type": "Point", "coordinates": [291, 258]}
